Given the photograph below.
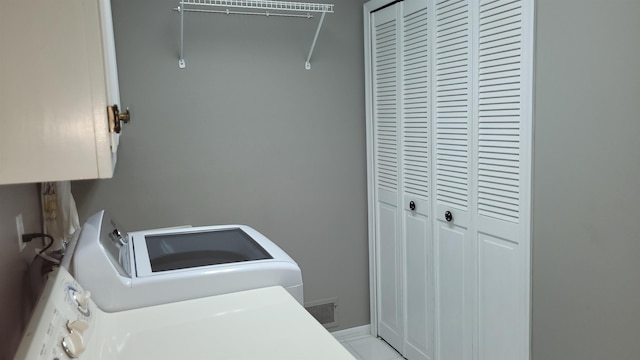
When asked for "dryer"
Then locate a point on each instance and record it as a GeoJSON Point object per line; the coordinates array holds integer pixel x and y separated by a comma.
{"type": "Point", "coordinates": [265, 323]}
{"type": "Point", "coordinates": [128, 270]}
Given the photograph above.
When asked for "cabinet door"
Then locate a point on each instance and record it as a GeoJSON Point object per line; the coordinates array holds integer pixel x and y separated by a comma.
{"type": "Point", "coordinates": [386, 141]}
{"type": "Point", "coordinates": [454, 245]}
{"type": "Point", "coordinates": [416, 209]}
{"type": "Point", "coordinates": [52, 92]}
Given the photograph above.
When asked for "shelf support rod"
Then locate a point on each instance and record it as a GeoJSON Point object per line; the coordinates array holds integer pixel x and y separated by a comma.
{"type": "Point", "coordinates": [181, 63]}
{"type": "Point", "coordinates": [307, 64]}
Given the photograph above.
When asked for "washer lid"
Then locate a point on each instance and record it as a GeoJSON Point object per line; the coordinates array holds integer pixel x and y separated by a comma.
{"type": "Point", "coordinates": [196, 247]}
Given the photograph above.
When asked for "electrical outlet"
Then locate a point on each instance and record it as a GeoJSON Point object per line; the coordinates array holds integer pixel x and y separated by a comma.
{"type": "Point", "coordinates": [20, 229]}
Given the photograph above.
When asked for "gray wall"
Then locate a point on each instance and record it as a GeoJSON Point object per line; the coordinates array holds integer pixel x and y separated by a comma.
{"type": "Point", "coordinates": [15, 304]}
{"type": "Point", "coordinates": [586, 242]}
{"type": "Point", "coordinates": [246, 135]}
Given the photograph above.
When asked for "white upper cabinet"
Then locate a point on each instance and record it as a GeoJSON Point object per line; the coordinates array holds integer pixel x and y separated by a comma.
{"type": "Point", "coordinates": [57, 76]}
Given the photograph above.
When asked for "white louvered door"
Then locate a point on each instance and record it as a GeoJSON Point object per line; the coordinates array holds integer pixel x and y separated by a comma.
{"type": "Point", "coordinates": [450, 155]}
{"type": "Point", "coordinates": [502, 161]}
{"type": "Point", "coordinates": [416, 168]}
{"type": "Point", "coordinates": [454, 255]}
{"type": "Point", "coordinates": [481, 169]}
{"type": "Point", "coordinates": [401, 113]}
{"type": "Point", "coordinates": [385, 35]}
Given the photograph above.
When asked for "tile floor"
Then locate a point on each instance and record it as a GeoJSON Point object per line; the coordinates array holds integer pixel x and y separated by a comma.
{"type": "Point", "coordinates": [370, 348]}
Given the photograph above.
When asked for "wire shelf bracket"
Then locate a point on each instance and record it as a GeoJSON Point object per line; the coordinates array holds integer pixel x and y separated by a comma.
{"type": "Point", "coordinates": [266, 7]}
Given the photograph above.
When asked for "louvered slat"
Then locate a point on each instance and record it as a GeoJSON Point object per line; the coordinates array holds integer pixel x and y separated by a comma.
{"type": "Point", "coordinates": [385, 69]}
{"type": "Point", "coordinates": [452, 77]}
{"type": "Point", "coordinates": [499, 108]}
{"type": "Point", "coordinates": [416, 103]}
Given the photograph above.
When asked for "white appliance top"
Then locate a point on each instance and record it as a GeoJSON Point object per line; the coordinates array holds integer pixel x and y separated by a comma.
{"type": "Point", "coordinates": [266, 323]}
{"type": "Point", "coordinates": [128, 270]}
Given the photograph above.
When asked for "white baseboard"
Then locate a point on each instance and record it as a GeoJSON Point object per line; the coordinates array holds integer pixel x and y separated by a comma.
{"type": "Point", "coordinates": [352, 333]}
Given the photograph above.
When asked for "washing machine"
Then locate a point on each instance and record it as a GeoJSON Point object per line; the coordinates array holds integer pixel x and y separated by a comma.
{"type": "Point", "coordinates": [129, 270]}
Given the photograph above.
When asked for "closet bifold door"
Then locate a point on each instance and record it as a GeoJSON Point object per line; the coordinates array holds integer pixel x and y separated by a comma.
{"type": "Point", "coordinates": [385, 43]}
{"type": "Point", "coordinates": [454, 245]}
{"type": "Point", "coordinates": [415, 92]}
{"type": "Point", "coordinates": [502, 133]}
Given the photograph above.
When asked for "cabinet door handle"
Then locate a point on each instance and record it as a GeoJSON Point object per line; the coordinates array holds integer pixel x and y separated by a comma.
{"type": "Point", "coordinates": [412, 205]}
{"type": "Point", "coordinates": [448, 216]}
{"type": "Point", "coordinates": [116, 117]}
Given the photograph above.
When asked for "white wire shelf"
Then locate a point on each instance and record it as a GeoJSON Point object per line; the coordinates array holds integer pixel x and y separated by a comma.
{"type": "Point", "coordinates": [263, 5]}
{"type": "Point", "coordinates": [282, 8]}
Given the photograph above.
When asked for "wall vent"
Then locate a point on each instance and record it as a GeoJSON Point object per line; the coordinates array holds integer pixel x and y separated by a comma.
{"type": "Point", "coordinates": [325, 311]}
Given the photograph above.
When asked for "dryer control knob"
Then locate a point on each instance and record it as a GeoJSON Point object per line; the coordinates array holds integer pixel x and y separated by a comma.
{"type": "Point", "coordinates": [82, 300]}
{"type": "Point", "coordinates": [78, 326]}
{"type": "Point", "coordinates": [72, 344]}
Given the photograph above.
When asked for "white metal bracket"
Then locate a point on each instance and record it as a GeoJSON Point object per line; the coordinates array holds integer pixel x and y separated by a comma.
{"type": "Point", "coordinates": [181, 63]}
{"type": "Point", "coordinates": [307, 64]}
{"type": "Point", "coordinates": [283, 8]}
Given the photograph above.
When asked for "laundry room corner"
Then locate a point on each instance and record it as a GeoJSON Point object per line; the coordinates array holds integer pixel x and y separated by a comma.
{"type": "Point", "coordinates": [15, 200]}
{"type": "Point", "coordinates": [244, 134]}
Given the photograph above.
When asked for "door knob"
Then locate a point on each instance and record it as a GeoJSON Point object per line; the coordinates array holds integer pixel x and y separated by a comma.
{"type": "Point", "coordinates": [412, 205]}
{"type": "Point", "coordinates": [448, 215]}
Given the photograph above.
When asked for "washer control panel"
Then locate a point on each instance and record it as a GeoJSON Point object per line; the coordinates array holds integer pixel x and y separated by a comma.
{"type": "Point", "coordinates": [62, 322]}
